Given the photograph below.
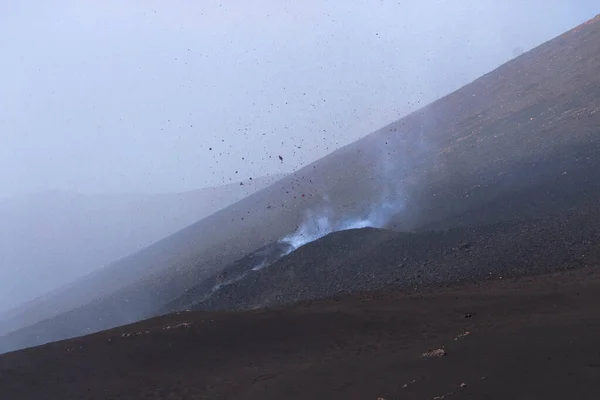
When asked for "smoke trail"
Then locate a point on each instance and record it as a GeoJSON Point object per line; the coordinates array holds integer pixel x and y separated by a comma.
{"type": "Point", "coordinates": [219, 285]}
{"type": "Point", "coordinates": [250, 264]}
{"type": "Point", "coordinates": [393, 159]}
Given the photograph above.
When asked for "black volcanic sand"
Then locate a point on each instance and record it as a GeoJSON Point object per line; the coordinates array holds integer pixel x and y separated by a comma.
{"type": "Point", "coordinates": [532, 338]}
{"type": "Point", "coordinates": [370, 259]}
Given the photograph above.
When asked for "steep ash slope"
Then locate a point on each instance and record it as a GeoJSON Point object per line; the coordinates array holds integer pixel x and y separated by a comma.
{"type": "Point", "coordinates": [371, 259]}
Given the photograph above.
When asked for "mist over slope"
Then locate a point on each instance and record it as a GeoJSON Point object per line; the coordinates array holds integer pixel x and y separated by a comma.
{"type": "Point", "coordinates": [52, 238]}
{"type": "Point", "coordinates": [518, 143]}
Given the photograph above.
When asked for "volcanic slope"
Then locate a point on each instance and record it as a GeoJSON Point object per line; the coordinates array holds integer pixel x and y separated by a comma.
{"type": "Point", "coordinates": [370, 259]}
{"type": "Point", "coordinates": [535, 338]}
{"type": "Point", "coordinates": [520, 142]}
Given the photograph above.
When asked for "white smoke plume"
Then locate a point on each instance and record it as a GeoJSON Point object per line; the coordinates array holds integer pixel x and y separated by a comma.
{"type": "Point", "coordinates": [323, 221]}
{"type": "Point", "coordinates": [318, 223]}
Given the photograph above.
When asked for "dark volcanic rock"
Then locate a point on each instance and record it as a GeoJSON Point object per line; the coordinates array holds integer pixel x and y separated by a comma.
{"type": "Point", "coordinates": [370, 259]}
{"type": "Point", "coordinates": [239, 270]}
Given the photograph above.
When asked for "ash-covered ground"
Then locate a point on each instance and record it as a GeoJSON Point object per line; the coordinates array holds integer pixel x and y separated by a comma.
{"type": "Point", "coordinates": [370, 259]}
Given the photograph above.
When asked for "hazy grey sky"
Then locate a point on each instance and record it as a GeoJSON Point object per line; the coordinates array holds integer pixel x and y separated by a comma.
{"type": "Point", "coordinates": [128, 96]}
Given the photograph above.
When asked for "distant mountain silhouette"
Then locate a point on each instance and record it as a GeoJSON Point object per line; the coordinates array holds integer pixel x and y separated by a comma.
{"type": "Point", "coordinates": [51, 238]}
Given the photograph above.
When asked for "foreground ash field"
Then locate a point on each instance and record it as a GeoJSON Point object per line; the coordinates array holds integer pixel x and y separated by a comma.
{"type": "Point", "coordinates": [451, 254]}
{"type": "Point", "coordinates": [531, 338]}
